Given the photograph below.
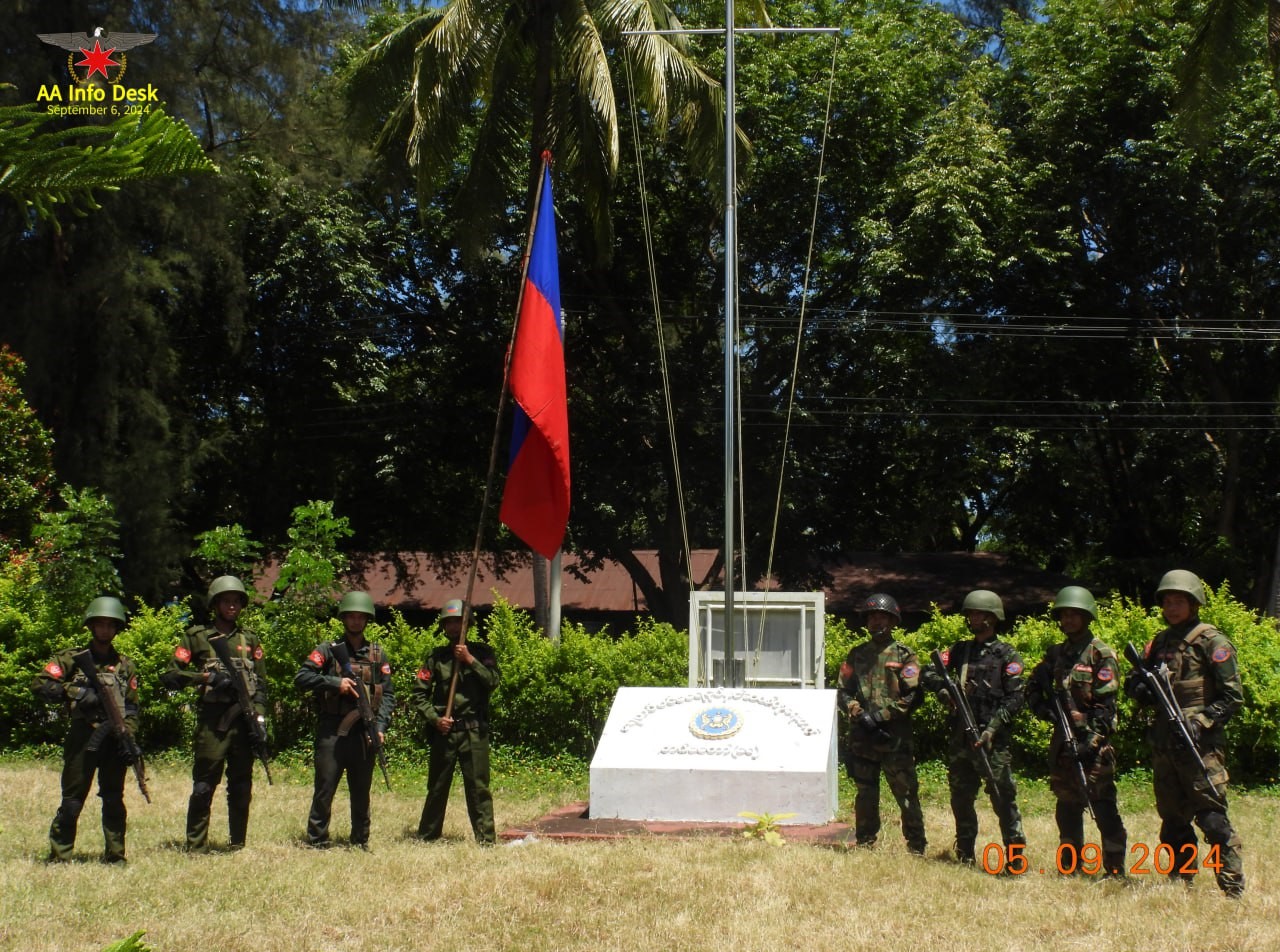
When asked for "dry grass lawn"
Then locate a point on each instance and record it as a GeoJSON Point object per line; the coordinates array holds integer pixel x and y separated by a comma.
{"type": "Point", "coordinates": [639, 894]}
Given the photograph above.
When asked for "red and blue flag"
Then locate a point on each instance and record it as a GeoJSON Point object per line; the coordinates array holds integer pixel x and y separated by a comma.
{"type": "Point", "coordinates": [535, 500]}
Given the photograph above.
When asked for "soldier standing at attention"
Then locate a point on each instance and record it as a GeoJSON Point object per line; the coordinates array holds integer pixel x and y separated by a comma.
{"type": "Point", "coordinates": [342, 743]}
{"type": "Point", "coordinates": [879, 687]}
{"type": "Point", "coordinates": [988, 672]}
{"type": "Point", "coordinates": [222, 738]}
{"type": "Point", "coordinates": [1081, 675]}
{"type": "Point", "coordinates": [1204, 677]}
{"type": "Point", "coordinates": [457, 734]}
{"type": "Point", "coordinates": [62, 682]}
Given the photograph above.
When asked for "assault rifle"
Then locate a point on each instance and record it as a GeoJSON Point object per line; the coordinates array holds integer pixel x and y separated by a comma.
{"type": "Point", "coordinates": [129, 749]}
{"type": "Point", "coordinates": [965, 713]}
{"type": "Point", "coordinates": [253, 720]}
{"type": "Point", "coordinates": [367, 715]}
{"type": "Point", "coordinates": [1157, 681]}
{"type": "Point", "coordinates": [1062, 714]}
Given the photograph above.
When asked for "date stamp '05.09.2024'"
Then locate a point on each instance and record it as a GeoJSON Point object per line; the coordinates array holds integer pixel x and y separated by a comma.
{"type": "Point", "coordinates": [1162, 860]}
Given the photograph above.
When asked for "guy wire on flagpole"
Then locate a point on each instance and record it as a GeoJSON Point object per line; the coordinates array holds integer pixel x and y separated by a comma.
{"type": "Point", "coordinates": [730, 30]}
{"type": "Point", "coordinates": [497, 426]}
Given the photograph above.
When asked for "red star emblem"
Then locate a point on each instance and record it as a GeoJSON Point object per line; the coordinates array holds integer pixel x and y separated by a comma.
{"type": "Point", "coordinates": [97, 59]}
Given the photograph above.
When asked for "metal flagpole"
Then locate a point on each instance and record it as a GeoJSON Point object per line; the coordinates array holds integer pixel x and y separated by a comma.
{"type": "Point", "coordinates": [730, 331]}
{"type": "Point", "coordinates": [730, 298]}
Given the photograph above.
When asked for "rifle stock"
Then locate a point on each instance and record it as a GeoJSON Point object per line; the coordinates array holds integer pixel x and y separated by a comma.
{"type": "Point", "coordinates": [1157, 681]}
{"type": "Point", "coordinates": [253, 723]}
{"type": "Point", "coordinates": [967, 722]}
{"type": "Point", "coordinates": [125, 740]}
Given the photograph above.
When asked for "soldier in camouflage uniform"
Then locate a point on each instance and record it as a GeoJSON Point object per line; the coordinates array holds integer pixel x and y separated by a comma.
{"type": "Point", "coordinates": [1202, 670]}
{"type": "Point", "coordinates": [879, 688]}
{"type": "Point", "coordinates": [989, 672]}
{"type": "Point", "coordinates": [1082, 674]}
{"type": "Point", "coordinates": [461, 737]}
{"type": "Point", "coordinates": [90, 745]}
{"type": "Point", "coordinates": [222, 738]}
{"type": "Point", "coordinates": [341, 741]}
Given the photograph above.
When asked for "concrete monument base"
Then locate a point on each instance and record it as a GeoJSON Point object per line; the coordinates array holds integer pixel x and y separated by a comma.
{"type": "Point", "coordinates": [710, 754]}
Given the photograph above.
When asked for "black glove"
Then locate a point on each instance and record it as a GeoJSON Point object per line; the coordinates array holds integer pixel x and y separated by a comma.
{"type": "Point", "coordinates": [1194, 730]}
{"type": "Point", "coordinates": [868, 722]}
{"type": "Point", "coordinates": [1141, 693]}
{"type": "Point", "coordinates": [219, 680]}
{"type": "Point", "coordinates": [128, 754]}
{"type": "Point", "coordinates": [87, 697]}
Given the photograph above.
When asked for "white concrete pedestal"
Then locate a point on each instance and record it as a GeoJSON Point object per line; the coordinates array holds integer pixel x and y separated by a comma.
{"type": "Point", "coordinates": [709, 754]}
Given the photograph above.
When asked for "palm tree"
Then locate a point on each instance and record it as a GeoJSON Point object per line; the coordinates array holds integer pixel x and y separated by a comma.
{"type": "Point", "coordinates": [1225, 40]}
{"type": "Point", "coordinates": [518, 77]}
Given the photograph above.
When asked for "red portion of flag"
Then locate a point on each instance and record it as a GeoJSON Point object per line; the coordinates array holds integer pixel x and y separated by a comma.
{"type": "Point", "coordinates": [535, 501]}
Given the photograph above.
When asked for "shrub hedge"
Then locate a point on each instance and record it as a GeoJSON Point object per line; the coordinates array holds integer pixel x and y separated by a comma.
{"type": "Point", "coordinates": [555, 697]}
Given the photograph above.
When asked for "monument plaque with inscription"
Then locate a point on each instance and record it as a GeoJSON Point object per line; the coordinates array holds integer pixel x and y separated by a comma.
{"type": "Point", "coordinates": [709, 754]}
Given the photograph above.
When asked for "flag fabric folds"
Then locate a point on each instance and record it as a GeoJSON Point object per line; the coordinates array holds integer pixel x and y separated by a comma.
{"type": "Point", "coordinates": [535, 500]}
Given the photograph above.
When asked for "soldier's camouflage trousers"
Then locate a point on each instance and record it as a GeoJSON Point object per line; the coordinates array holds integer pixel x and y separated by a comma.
{"type": "Point", "coordinates": [900, 773]}
{"type": "Point", "coordinates": [965, 778]}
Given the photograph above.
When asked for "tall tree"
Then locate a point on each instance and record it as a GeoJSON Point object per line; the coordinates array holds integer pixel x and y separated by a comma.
{"type": "Point", "coordinates": [514, 79]}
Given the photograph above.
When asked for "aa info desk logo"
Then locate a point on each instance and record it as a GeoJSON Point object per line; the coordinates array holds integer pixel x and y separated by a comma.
{"type": "Point", "coordinates": [96, 66]}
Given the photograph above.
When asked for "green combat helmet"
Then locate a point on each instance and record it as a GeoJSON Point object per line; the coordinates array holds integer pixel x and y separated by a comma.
{"type": "Point", "coordinates": [226, 583]}
{"type": "Point", "coordinates": [452, 609]}
{"type": "Point", "coordinates": [1180, 580]}
{"type": "Point", "coordinates": [1073, 596]}
{"type": "Point", "coordinates": [105, 606]}
{"type": "Point", "coordinates": [981, 600]}
{"type": "Point", "coordinates": [356, 602]}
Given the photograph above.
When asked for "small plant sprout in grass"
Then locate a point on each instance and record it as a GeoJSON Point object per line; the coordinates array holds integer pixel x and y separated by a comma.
{"type": "Point", "coordinates": [764, 826]}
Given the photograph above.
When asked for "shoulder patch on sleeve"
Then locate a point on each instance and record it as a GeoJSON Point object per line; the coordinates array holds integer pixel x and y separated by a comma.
{"type": "Point", "coordinates": [1221, 654]}
{"type": "Point", "coordinates": [316, 658]}
{"type": "Point", "coordinates": [386, 668]}
{"type": "Point", "coordinates": [133, 683]}
{"type": "Point", "coordinates": [257, 652]}
{"type": "Point", "coordinates": [846, 669]}
{"type": "Point", "coordinates": [182, 653]}
{"type": "Point", "coordinates": [1013, 668]}
{"type": "Point", "coordinates": [424, 674]}
{"type": "Point", "coordinates": [54, 670]}
{"type": "Point", "coordinates": [945, 654]}
{"type": "Point", "coordinates": [1105, 673]}
{"type": "Point", "coordinates": [910, 671]}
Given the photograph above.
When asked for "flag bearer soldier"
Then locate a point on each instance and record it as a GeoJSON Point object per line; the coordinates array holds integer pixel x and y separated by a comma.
{"type": "Point", "coordinates": [879, 688]}
{"type": "Point", "coordinates": [1205, 681]}
{"type": "Point", "coordinates": [457, 734]}
{"type": "Point", "coordinates": [1076, 684]}
{"type": "Point", "coordinates": [342, 743]}
{"type": "Point", "coordinates": [90, 745]}
{"type": "Point", "coordinates": [222, 738]}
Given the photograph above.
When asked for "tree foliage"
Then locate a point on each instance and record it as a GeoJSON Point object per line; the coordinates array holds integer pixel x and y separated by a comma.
{"type": "Point", "coordinates": [45, 167]}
